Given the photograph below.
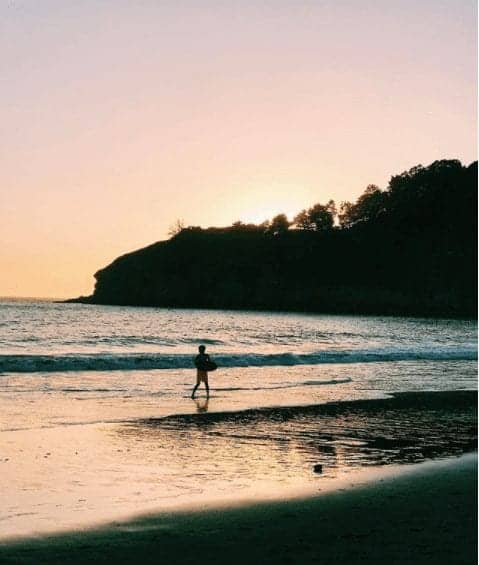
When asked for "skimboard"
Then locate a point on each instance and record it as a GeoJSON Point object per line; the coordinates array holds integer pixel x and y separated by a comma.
{"type": "Point", "coordinates": [206, 366]}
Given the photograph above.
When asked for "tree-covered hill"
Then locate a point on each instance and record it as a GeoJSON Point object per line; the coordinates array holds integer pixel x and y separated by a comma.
{"type": "Point", "coordinates": [408, 249]}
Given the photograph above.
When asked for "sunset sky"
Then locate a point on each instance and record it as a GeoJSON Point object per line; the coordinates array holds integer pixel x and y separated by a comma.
{"type": "Point", "coordinates": [120, 117]}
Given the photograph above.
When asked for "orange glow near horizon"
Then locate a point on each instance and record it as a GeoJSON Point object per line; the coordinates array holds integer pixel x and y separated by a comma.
{"type": "Point", "coordinates": [121, 118]}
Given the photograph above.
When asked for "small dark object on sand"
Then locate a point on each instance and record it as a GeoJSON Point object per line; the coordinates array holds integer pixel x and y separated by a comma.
{"type": "Point", "coordinates": [318, 468]}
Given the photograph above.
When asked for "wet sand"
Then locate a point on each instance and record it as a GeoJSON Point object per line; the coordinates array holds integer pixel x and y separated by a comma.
{"type": "Point", "coordinates": [68, 477]}
{"type": "Point", "coordinates": [427, 513]}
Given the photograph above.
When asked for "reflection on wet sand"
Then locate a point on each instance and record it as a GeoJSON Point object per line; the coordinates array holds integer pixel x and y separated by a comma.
{"type": "Point", "coordinates": [102, 471]}
{"type": "Point", "coordinates": [282, 445]}
{"type": "Point", "coordinates": [201, 405]}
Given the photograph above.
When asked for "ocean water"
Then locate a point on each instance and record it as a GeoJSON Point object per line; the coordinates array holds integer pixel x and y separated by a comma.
{"type": "Point", "coordinates": [97, 422]}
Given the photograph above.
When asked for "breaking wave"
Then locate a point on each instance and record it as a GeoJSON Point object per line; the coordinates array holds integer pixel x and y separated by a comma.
{"type": "Point", "coordinates": [148, 361]}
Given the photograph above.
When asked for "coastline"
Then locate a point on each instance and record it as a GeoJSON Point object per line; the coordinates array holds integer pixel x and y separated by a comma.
{"type": "Point", "coordinates": [391, 312]}
{"type": "Point", "coordinates": [425, 513]}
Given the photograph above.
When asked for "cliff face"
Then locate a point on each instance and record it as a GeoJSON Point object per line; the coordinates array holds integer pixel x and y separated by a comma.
{"type": "Point", "coordinates": [417, 254]}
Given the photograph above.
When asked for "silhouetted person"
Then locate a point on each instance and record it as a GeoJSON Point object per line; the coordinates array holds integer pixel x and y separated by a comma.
{"type": "Point", "coordinates": [201, 364]}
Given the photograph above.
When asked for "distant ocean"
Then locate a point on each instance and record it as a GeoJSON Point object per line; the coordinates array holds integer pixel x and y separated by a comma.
{"type": "Point", "coordinates": [95, 404]}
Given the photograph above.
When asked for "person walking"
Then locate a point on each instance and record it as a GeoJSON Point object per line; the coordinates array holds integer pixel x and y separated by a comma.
{"type": "Point", "coordinates": [203, 364]}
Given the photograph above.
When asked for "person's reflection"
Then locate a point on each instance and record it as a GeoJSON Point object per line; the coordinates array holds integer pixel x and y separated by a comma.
{"type": "Point", "coordinates": [201, 405]}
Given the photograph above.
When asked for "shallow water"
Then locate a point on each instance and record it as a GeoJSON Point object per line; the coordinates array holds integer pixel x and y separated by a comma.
{"type": "Point", "coordinates": [96, 419]}
{"type": "Point", "coordinates": [73, 363]}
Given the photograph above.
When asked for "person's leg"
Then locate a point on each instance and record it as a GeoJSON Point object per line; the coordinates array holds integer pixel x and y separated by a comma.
{"type": "Point", "coordinates": [198, 380]}
{"type": "Point", "coordinates": [207, 386]}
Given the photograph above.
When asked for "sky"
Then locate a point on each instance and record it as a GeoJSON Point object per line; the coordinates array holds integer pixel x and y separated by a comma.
{"type": "Point", "coordinates": [119, 118]}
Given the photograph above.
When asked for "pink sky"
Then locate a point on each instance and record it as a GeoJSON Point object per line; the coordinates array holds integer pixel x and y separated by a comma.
{"type": "Point", "coordinates": [120, 117]}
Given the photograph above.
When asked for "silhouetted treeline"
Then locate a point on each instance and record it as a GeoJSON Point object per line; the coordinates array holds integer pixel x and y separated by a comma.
{"type": "Point", "coordinates": [408, 249]}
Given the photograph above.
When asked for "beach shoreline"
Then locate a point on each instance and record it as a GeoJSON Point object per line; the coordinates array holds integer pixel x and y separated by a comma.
{"type": "Point", "coordinates": [423, 513]}
{"type": "Point", "coordinates": [67, 478]}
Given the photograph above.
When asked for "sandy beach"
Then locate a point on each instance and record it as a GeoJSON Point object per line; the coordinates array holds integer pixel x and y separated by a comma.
{"type": "Point", "coordinates": [425, 513]}
{"type": "Point", "coordinates": [104, 457]}
{"type": "Point", "coordinates": [65, 477]}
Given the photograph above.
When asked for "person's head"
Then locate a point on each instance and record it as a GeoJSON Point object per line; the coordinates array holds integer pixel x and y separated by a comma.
{"type": "Point", "coordinates": [201, 348]}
